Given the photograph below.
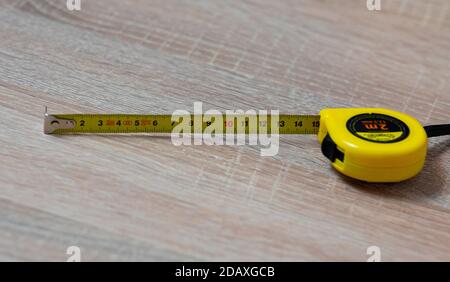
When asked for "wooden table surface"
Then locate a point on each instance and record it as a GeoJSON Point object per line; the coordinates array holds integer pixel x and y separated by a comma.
{"type": "Point", "coordinates": [142, 198]}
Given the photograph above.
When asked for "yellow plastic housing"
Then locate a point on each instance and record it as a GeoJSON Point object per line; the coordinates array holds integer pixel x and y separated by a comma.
{"type": "Point", "coordinates": [373, 161]}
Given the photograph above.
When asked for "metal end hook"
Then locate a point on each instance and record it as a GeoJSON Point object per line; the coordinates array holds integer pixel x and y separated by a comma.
{"type": "Point", "coordinates": [52, 123]}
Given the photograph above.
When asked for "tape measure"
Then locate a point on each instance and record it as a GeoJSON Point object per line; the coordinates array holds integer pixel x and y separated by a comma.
{"type": "Point", "coordinates": [369, 144]}
{"type": "Point", "coordinates": [134, 123]}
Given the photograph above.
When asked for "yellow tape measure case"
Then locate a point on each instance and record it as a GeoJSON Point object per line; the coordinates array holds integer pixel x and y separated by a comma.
{"type": "Point", "coordinates": [373, 144]}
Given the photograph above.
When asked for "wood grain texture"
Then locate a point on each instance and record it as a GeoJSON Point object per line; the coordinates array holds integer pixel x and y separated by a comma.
{"type": "Point", "coordinates": [141, 198]}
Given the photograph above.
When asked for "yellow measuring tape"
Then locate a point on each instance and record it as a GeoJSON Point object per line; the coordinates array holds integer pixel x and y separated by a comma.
{"type": "Point", "coordinates": [135, 123]}
{"type": "Point", "coordinates": [370, 144]}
